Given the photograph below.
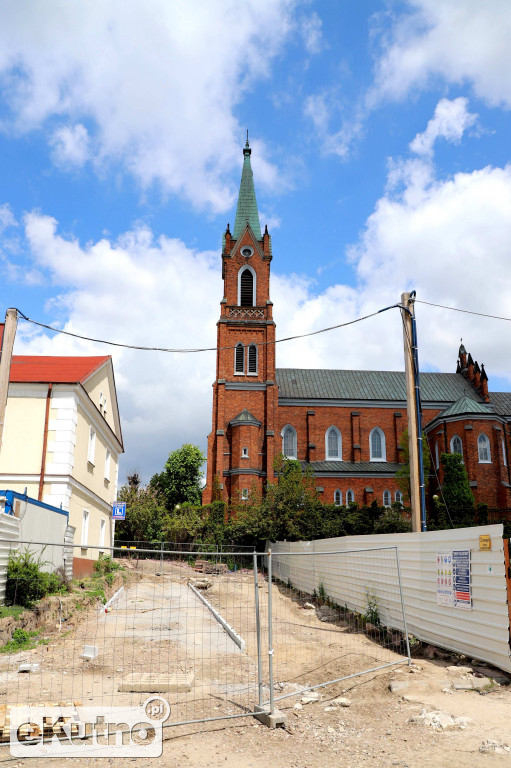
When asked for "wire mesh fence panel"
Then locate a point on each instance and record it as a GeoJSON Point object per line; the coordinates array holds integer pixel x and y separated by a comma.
{"type": "Point", "coordinates": [334, 615]}
{"type": "Point", "coordinates": [181, 625]}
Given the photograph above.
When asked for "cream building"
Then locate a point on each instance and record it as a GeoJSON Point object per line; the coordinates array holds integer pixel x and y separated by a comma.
{"type": "Point", "coordinates": [62, 440]}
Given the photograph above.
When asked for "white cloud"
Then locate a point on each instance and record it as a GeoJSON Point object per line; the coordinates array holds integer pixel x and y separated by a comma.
{"type": "Point", "coordinates": [311, 28]}
{"type": "Point", "coordinates": [458, 41]}
{"type": "Point", "coordinates": [71, 145]}
{"type": "Point", "coordinates": [157, 85]}
{"type": "Point", "coordinates": [323, 109]}
{"type": "Point", "coordinates": [7, 218]}
{"type": "Point", "coordinates": [450, 121]}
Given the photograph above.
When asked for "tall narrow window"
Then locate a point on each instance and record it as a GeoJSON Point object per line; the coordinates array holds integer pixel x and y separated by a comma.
{"type": "Point", "coordinates": [386, 498]}
{"type": "Point", "coordinates": [337, 498]}
{"type": "Point", "coordinates": [333, 444]}
{"type": "Point", "coordinates": [239, 358]}
{"type": "Point", "coordinates": [107, 465]}
{"type": "Point", "coordinates": [483, 449]}
{"type": "Point", "coordinates": [456, 445]}
{"type": "Point", "coordinates": [92, 445]}
{"type": "Point", "coordinates": [247, 288]}
{"type": "Point", "coordinates": [252, 359]}
{"type": "Point", "coordinates": [437, 457]}
{"type": "Point", "coordinates": [399, 497]}
{"type": "Point", "coordinates": [504, 454]}
{"type": "Point", "coordinates": [377, 445]}
{"type": "Point", "coordinates": [85, 528]}
{"type": "Point", "coordinates": [289, 442]}
{"type": "Point", "coordinates": [350, 497]}
{"type": "Point", "coordinates": [102, 529]}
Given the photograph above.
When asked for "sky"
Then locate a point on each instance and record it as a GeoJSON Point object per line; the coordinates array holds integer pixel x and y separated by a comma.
{"type": "Point", "coordinates": [380, 136]}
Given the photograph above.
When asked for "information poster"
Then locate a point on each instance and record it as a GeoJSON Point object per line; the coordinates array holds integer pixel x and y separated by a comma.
{"type": "Point", "coordinates": [444, 579]}
{"type": "Point", "coordinates": [461, 577]}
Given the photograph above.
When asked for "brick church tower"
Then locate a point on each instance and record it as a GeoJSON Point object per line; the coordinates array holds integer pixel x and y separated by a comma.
{"type": "Point", "coordinates": [241, 445]}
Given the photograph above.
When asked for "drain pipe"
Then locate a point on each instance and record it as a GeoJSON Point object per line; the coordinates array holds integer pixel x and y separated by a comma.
{"type": "Point", "coordinates": [45, 443]}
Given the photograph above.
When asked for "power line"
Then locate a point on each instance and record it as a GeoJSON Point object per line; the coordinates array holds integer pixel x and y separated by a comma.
{"type": "Point", "coordinates": [199, 349]}
{"type": "Point", "coordinates": [465, 311]}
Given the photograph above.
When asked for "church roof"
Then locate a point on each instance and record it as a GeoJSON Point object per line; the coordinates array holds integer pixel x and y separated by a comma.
{"type": "Point", "coordinates": [314, 384]}
{"type": "Point", "coordinates": [350, 468]}
{"type": "Point", "coordinates": [465, 405]}
{"type": "Point", "coordinates": [247, 204]}
{"type": "Point", "coordinates": [245, 417]}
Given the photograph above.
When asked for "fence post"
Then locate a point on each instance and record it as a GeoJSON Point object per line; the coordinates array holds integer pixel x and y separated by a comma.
{"type": "Point", "coordinates": [270, 634]}
{"type": "Point", "coordinates": [403, 607]}
{"type": "Point", "coordinates": [258, 635]}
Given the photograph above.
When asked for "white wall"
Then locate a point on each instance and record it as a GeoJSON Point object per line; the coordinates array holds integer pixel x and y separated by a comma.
{"type": "Point", "coordinates": [481, 633]}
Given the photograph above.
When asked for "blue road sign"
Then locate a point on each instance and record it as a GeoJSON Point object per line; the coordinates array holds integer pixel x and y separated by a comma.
{"type": "Point", "coordinates": [119, 511]}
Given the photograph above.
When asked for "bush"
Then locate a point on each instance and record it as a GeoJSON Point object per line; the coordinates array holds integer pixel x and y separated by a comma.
{"type": "Point", "coordinates": [26, 582]}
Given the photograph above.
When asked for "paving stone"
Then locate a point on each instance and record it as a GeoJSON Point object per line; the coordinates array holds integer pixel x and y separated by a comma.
{"type": "Point", "coordinates": [149, 683]}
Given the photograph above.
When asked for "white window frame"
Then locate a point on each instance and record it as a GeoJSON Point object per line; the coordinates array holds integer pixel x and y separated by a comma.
{"type": "Point", "coordinates": [383, 445]}
{"type": "Point", "coordinates": [102, 532]}
{"type": "Point", "coordinates": [398, 496]}
{"type": "Point", "coordinates": [453, 438]}
{"type": "Point", "coordinates": [338, 503]}
{"type": "Point", "coordinates": [108, 457]}
{"type": "Point", "coordinates": [295, 442]}
{"type": "Point", "coordinates": [244, 494]}
{"type": "Point", "coordinates": [487, 444]}
{"type": "Point", "coordinates": [437, 457]}
{"type": "Point", "coordinates": [85, 528]}
{"type": "Point", "coordinates": [91, 451]}
{"type": "Point", "coordinates": [352, 500]}
{"type": "Point", "coordinates": [387, 493]}
{"type": "Point", "coordinates": [236, 372]}
{"type": "Point", "coordinates": [339, 444]}
{"type": "Point", "coordinates": [504, 452]}
{"type": "Point", "coordinates": [254, 284]}
{"type": "Point", "coordinates": [249, 372]}
{"type": "Point", "coordinates": [244, 452]}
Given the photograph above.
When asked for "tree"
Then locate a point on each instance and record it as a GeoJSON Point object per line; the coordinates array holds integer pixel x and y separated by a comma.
{"type": "Point", "coordinates": [403, 474]}
{"type": "Point", "coordinates": [144, 513]}
{"type": "Point", "coordinates": [456, 493]}
{"type": "Point", "coordinates": [181, 479]}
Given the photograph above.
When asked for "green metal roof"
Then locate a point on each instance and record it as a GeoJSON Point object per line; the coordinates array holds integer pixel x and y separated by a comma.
{"type": "Point", "coordinates": [465, 405]}
{"type": "Point", "coordinates": [502, 402]}
{"type": "Point", "coordinates": [298, 383]}
{"type": "Point", "coordinates": [247, 204]}
{"type": "Point", "coordinates": [352, 467]}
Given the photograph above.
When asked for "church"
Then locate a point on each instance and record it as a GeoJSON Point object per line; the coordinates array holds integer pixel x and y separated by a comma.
{"type": "Point", "coordinates": [345, 425]}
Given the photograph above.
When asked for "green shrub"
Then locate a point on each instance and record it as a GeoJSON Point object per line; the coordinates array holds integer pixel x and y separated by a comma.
{"type": "Point", "coordinates": [26, 582]}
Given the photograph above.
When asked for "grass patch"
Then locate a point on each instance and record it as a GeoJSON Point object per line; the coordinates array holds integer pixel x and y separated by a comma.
{"type": "Point", "coordinates": [22, 640]}
{"type": "Point", "coordinates": [12, 610]}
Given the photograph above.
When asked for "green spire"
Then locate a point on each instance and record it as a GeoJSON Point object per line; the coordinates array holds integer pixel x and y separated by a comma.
{"type": "Point", "coordinates": [247, 204]}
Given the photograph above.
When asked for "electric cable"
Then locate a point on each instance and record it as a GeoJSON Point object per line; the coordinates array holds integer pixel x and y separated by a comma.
{"type": "Point", "coordinates": [465, 311]}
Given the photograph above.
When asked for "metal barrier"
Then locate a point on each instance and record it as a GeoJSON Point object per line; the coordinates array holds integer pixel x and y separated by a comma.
{"type": "Point", "coordinates": [218, 635]}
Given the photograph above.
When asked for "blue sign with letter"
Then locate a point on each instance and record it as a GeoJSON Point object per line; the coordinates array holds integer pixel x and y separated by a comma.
{"type": "Point", "coordinates": [119, 511]}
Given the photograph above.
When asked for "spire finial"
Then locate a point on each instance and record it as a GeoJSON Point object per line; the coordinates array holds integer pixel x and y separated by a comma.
{"type": "Point", "coordinates": [247, 144]}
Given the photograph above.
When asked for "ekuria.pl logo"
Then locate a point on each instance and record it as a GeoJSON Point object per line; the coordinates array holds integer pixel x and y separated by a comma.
{"type": "Point", "coordinates": [89, 731]}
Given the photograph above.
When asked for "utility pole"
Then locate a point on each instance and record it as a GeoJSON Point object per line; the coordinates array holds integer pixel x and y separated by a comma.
{"type": "Point", "coordinates": [415, 448]}
{"type": "Point", "coordinates": [11, 321]}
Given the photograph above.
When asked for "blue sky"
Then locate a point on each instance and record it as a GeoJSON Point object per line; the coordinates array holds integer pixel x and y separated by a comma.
{"type": "Point", "coordinates": [380, 135]}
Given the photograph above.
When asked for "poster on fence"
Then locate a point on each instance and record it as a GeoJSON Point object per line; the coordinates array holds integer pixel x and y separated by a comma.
{"type": "Point", "coordinates": [444, 580]}
{"type": "Point", "coordinates": [461, 579]}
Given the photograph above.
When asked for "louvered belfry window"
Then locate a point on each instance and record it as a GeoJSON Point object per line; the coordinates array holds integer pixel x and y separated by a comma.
{"type": "Point", "coordinates": [247, 289]}
{"type": "Point", "coordinates": [252, 359]}
{"type": "Point", "coordinates": [239, 358]}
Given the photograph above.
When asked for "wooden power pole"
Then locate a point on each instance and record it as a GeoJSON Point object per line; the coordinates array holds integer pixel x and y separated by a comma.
{"type": "Point", "coordinates": [411, 407]}
{"type": "Point", "coordinates": [11, 321]}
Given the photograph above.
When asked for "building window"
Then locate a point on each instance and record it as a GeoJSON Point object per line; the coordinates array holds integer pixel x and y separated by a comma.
{"type": "Point", "coordinates": [456, 445]}
{"type": "Point", "coordinates": [85, 528]}
{"type": "Point", "coordinates": [289, 442]}
{"type": "Point", "coordinates": [483, 449]}
{"type": "Point", "coordinates": [244, 453]}
{"type": "Point", "coordinates": [107, 465]}
{"type": "Point", "coordinates": [333, 444]}
{"type": "Point", "coordinates": [102, 529]}
{"type": "Point", "coordinates": [437, 459]}
{"type": "Point", "coordinates": [399, 497]}
{"type": "Point", "coordinates": [92, 445]}
{"type": "Point", "coordinates": [386, 498]}
{"type": "Point", "coordinates": [246, 287]}
{"type": "Point", "coordinates": [104, 406]}
{"type": "Point", "coordinates": [101, 402]}
{"type": "Point", "coordinates": [337, 498]}
{"type": "Point", "coordinates": [252, 359]}
{"type": "Point", "coordinates": [239, 358]}
{"type": "Point", "coordinates": [350, 497]}
{"type": "Point", "coordinates": [504, 454]}
{"type": "Point", "coordinates": [244, 494]}
{"type": "Point", "coordinates": [377, 445]}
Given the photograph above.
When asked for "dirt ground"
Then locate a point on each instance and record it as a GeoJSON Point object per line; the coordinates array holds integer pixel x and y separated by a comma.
{"type": "Point", "coordinates": [157, 624]}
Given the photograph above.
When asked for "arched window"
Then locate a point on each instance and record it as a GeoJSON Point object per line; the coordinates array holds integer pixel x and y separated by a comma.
{"type": "Point", "coordinates": [333, 444]}
{"type": "Point", "coordinates": [399, 497]}
{"type": "Point", "coordinates": [239, 358]}
{"type": "Point", "coordinates": [289, 442]}
{"type": "Point", "coordinates": [504, 454]}
{"type": "Point", "coordinates": [456, 445]}
{"type": "Point", "coordinates": [350, 497]}
{"type": "Point", "coordinates": [483, 449]}
{"type": "Point", "coordinates": [246, 287]}
{"type": "Point", "coordinates": [386, 498]}
{"type": "Point", "coordinates": [377, 445]}
{"type": "Point", "coordinates": [437, 459]}
{"type": "Point", "coordinates": [337, 498]}
{"type": "Point", "coordinates": [252, 359]}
